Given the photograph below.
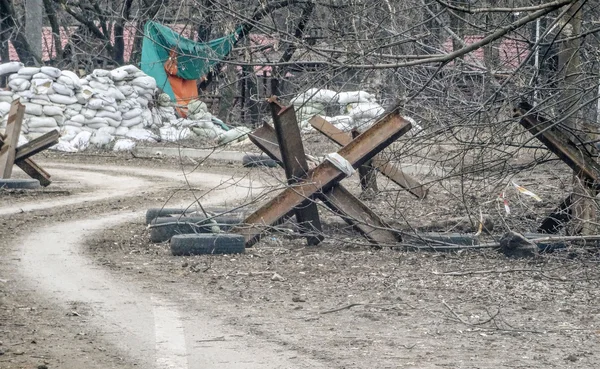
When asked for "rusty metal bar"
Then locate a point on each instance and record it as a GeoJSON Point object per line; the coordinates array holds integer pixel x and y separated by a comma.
{"type": "Point", "coordinates": [392, 171]}
{"type": "Point", "coordinates": [366, 172]}
{"type": "Point", "coordinates": [296, 167]}
{"type": "Point", "coordinates": [324, 176]}
{"type": "Point", "coordinates": [581, 161]}
{"type": "Point", "coordinates": [338, 199]}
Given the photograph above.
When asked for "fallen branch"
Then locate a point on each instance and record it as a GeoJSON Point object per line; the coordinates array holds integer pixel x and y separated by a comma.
{"type": "Point", "coordinates": [341, 308]}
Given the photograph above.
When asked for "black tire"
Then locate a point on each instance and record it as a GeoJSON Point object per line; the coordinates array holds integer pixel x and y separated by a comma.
{"type": "Point", "coordinates": [24, 184]}
{"type": "Point", "coordinates": [154, 213]}
{"type": "Point", "coordinates": [163, 228]}
{"type": "Point", "coordinates": [207, 244]}
{"type": "Point", "coordinates": [258, 160]}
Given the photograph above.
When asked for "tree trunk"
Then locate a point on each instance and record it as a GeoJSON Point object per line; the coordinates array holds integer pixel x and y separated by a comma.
{"type": "Point", "coordinates": [51, 14]}
{"type": "Point", "coordinates": [119, 50]}
{"type": "Point", "coordinates": [33, 26]}
{"type": "Point", "coordinates": [17, 36]}
{"type": "Point", "coordinates": [569, 63]}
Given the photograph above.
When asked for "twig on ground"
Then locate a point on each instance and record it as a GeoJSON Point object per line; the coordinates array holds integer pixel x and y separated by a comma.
{"type": "Point", "coordinates": [341, 308]}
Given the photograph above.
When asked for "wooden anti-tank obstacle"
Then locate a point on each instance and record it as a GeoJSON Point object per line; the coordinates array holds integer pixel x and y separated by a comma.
{"type": "Point", "coordinates": [12, 154]}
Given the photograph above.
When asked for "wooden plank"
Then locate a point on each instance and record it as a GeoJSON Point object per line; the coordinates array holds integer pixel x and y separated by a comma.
{"type": "Point", "coordinates": [366, 172]}
{"type": "Point", "coordinates": [9, 147]}
{"type": "Point", "coordinates": [338, 199]}
{"type": "Point", "coordinates": [390, 170]}
{"type": "Point", "coordinates": [581, 160]}
{"type": "Point", "coordinates": [296, 167]}
{"type": "Point", "coordinates": [324, 176]}
{"type": "Point", "coordinates": [35, 146]}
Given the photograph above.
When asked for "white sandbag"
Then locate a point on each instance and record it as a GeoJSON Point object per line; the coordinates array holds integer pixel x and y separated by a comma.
{"type": "Point", "coordinates": [118, 74]}
{"type": "Point", "coordinates": [41, 76]}
{"type": "Point", "coordinates": [64, 146]}
{"type": "Point", "coordinates": [68, 133]}
{"type": "Point", "coordinates": [41, 122]}
{"type": "Point", "coordinates": [51, 71]}
{"type": "Point", "coordinates": [364, 110]}
{"type": "Point", "coordinates": [95, 103]}
{"type": "Point", "coordinates": [70, 123]}
{"type": "Point", "coordinates": [145, 82]}
{"type": "Point", "coordinates": [109, 114]}
{"type": "Point", "coordinates": [7, 99]}
{"type": "Point", "coordinates": [124, 144]}
{"type": "Point", "coordinates": [51, 110]}
{"type": "Point", "coordinates": [132, 121]}
{"type": "Point", "coordinates": [96, 126]}
{"type": "Point", "coordinates": [75, 81]}
{"type": "Point", "coordinates": [60, 120]}
{"type": "Point", "coordinates": [6, 93]}
{"type": "Point", "coordinates": [126, 90]}
{"type": "Point", "coordinates": [28, 71]}
{"type": "Point", "coordinates": [41, 86]}
{"type": "Point", "coordinates": [42, 130]}
{"type": "Point", "coordinates": [62, 99]}
{"type": "Point", "coordinates": [343, 122]}
{"type": "Point", "coordinates": [99, 86]}
{"type": "Point", "coordinates": [4, 107]}
{"type": "Point", "coordinates": [18, 76]}
{"type": "Point", "coordinates": [108, 100]}
{"type": "Point", "coordinates": [10, 67]}
{"type": "Point", "coordinates": [121, 131]}
{"type": "Point", "coordinates": [33, 109]}
{"type": "Point", "coordinates": [174, 134]}
{"type": "Point", "coordinates": [207, 133]}
{"type": "Point", "coordinates": [235, 134]}
{"type": "Point", "coordinates": [345, 98]}
{"type": "Point", "coordinates": [142, 101]}
{"type": "Point", "coordinates": [84, 95]}
{"type": "Point", "coordinates": [109, 130]}
{"type": "Point", "coordinates": [88, 113]}
{"type": "Point", "coordinates": [132, 113]}
{"type": "Point", "coordinates": [68, 82]}
{"type": "Point", "coordinates": [309, 110]}
{"type": "Point", "coordinates": [141, 135]}
{"type": "Point", "coordinates": [19, 84]}
{"type": "Point", "coordinates": [130, 69]}
{"type": "Point", "coordinates": [315, 95]}
{"type": "Point", "coordinates": [79, 118]}
{"type": "Point", "coordinates": [84, 82]}
{"type": "Point", "coordinates": [59, 88]}
{"type": "Point", "coordinates": [147, 117]}
{"type": "Point", "coordinates": [115, 93]}
{"type": "Point", "coordinates": [96, 120]}
{"type": "Point", "coordinates": [82, 140]}
{"type": "Point", "coordinates": [101, 73]}
{"type": "Point", "coordinates": [101, 139]}
{"type": "Point", "coordinates": [112, 122]}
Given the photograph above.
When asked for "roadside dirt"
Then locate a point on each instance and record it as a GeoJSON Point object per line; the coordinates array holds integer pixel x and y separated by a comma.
{"type": "Point", "coordinates": [342, 304]}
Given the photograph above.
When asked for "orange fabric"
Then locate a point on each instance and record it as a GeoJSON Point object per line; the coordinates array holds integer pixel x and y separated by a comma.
{"type": "Point", "coordinates": [184, 90]}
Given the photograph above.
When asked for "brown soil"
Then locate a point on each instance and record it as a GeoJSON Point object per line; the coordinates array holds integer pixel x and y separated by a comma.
{"type": "Point", "coordinates": [343, 303]}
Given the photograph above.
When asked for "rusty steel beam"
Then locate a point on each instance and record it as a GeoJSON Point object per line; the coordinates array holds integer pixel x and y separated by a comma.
{"type": "Point", "coordinates": [392, 171]}
{"type": "Point", "coordinates": [338, 198]}
{"type": "Point", "coordinates": [296, 167]}
{"type": "Point", "coordinates": [366, 172]}
{"type": "Point", "coordinates": [581, 161]}
{"type": "Point", "coordinates": [323, 177]}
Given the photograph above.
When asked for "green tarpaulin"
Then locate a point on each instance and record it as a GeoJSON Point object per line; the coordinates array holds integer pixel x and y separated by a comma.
{"type": "Point", "coordinates": [194, 59]}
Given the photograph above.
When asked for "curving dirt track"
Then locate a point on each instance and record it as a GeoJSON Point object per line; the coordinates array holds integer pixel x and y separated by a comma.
{"type": "Point", "coordinates": [136, 324]}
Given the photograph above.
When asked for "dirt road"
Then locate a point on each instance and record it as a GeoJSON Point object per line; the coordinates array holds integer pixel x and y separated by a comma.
{"type": "Point", "coordinates": [143, 325]}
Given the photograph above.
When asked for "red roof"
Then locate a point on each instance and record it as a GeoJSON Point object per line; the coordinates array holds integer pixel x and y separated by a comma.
{"type": "Point", "coordinates": [511, 52]}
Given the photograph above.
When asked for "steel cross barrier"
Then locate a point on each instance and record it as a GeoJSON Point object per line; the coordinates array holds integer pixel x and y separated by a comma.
{"type": "Point", "coordinates": [11, 155]}
{"type": "Point", "coordinates": [322, 182]}
{"type": "Point", "coordinates": [390, 170]}
{"type": "Point", "coordinates": [581, 158]}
